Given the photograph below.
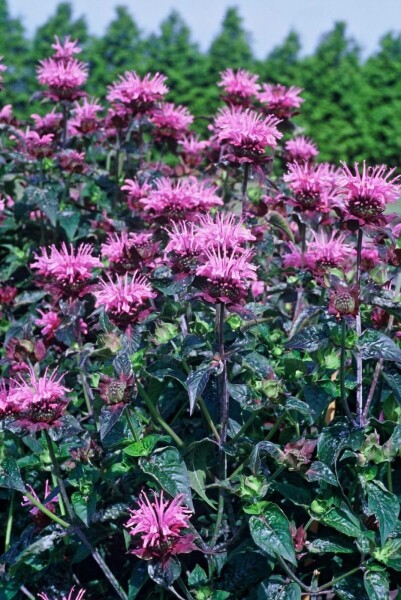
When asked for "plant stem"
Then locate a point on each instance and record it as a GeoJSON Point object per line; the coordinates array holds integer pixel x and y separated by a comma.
{"type": "Point", "coordinates": [46, 512]}
{"type": "Point", "coordinates": [328, 585]}
{"type": "Point", "coordinates": [389, 478]}
{"type": "Point", "coordinates": [342, 372]}
{"type": "Point", "coordinates": [245, 426]}
{"type": "Point", "coordinates": [155, 414]}
{"type": "Point", "coordinates": [244, 188]}
{"type": "Point", "coordinates": [65, 121]}
{"type": "Point", "coordinates": [219, 518]}
{"type": "Point", "coordinates": [130, 423]}
{"type": "Point", "coordinates": [358, 327]}
{"type": "Point", "coordinates": [291, 574]}
{"type": "Point", "coordinates": [80, 534]}
{"type": "Point", "coordinates": [10, 518]}
{"type": "Point", "coordinates": [208, 418]}
{"type": "Point", "coordinates": [182, 585]}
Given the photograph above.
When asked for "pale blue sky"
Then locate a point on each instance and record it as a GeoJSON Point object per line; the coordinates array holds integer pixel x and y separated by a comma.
{"type": "Point", "coordinates": [267, 20]}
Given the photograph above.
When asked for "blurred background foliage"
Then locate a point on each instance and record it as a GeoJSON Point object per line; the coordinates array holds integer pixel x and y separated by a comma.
{"type": "Point", "coordinates": [352, 108]}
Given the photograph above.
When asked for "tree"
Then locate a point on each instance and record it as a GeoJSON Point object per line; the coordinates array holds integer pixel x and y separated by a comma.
{"type": "Point", "coordinates": [283, 63]}
{"type": "Point", "coordinates": [232, 47]}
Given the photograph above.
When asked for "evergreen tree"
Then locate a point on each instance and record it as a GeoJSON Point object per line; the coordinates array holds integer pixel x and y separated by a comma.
{"type": "Point", "coordinates": [283, 63]}
{"type": "Point", "coordinates": [14, 47]}
{"type": "Point", "coordinates": [232, 47]}
{"type": "Point", "coordinates": [120, 49]}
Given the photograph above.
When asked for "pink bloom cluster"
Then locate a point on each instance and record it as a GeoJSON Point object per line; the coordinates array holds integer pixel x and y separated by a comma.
{"type": "Point", "coordinates": [62, 74]}
{"type": "Point", "coordinates": [280, 100]}
{"type": "Point", "coordinates": [246, 133]}
{"type": "Point", "coordinates": [368, 193]}
{"type": "Point", "coordinates": [239, 87]}
{"type": "Point", "coordinates": [170, 121]}
{"type": "Point", "coordinates": [84, 119]}
{"type": "Point", "coordinates": [322, 253]}
{"type": "Point", "coordinates": [136, 93]}
{"type": "Point", "coordinates": [50, 123]}
{"type": "Point", "coordinates": [136, 191]}
{"type": "Point", "coordinates": [37, 403]}
{"type": "Point", "coordinates": [300, 149]}
{"type": "Point", "coordinates": [159, 527]}
{"type": "Point", "coordinates": [180, 199]}
{"type": "Point", "coordinates": [69, 269]}
{"type": "Point", "coordinates": [39, 146]}
{"type": "Point", "coordinates": [71, 596]}
{"type": "Point", "coordinates": [314, 186]}
{"type": "Point", "coordinates": [192, 149]}
{"type": "Point", "coordinates": [125, 300]}
{"type": "Point", "coordinates": [126, 251]}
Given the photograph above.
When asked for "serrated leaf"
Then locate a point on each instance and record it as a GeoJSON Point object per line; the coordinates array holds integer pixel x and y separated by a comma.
{"type": "Point", "coordinates": [276, 588]}
{"type": "Point", "coordinates": [84, 506]}
{"type": "Point", "coordinates": [271, 533]}
{"type": "Point", "coordinates": [376, 584]}
{"type": "Point", "coordinates": [343, 520]}
{"type": "Point", "coordinates": [300, 407]}
{"type": "Point", "coordinates": [167, 367]}
{"type": "Point", "coordinates": [375, 345]}
{"type": "Point", "coordinates": [169, 469]}
{"type": "Point", "coordinates": [309, 339]}
{"type": "Point", "coordinates": [258, 363]}
{"type": "Point", "coordinates": [321, 546]}
{"type": "Point", "coordinates": [143, 447]}
{"type": "Point", "coordinates": [108, 418]}
{"type": "Point", "coordinates": [122, 364]}
{"type": "Point", "coordinates": [304, 318]}
{"type": "Point", "coordinates": [10, 476]}
{"type": "Point", "coordinates": [275, 452]}
{"type": "Point", "coordinates": [385, 507]}
{"type": "Point", "coordinates": [318, 471]}
{"type": "Point", "coordinates": [196, 383]}
{"type": "Point", "coordinates": [197, 473]}
{"type": "Point", "coordinates": [164, 572]}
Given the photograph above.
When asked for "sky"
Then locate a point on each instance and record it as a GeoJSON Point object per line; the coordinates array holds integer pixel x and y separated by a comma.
{"type": "Point", "coordinates": [268, 21]}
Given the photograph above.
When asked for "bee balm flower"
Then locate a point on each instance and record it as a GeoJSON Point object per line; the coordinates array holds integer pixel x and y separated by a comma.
{"type": "Point", "coordinates": [158, 527]}
{"type": "Point", "coordinates": [138, 94]}
{"type": "Point", "coordinates": [238, 86]}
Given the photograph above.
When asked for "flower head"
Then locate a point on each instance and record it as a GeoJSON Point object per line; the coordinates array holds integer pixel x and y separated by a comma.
{"type": "Point", "coordinates": [326, 252]}
{"type": "Point", "coordinates": [135, 191]}
{"type": "Point", "coordinates": [40, 400]}
{"type": "Point", "coordinates": [226, 275]}
{"type": "Point", "coordinates": [50, 123]}
{"type": "Point", "coordinates": [239, 86]}
{"type": "Point", "coordinates": [280, 100]}
{"type": "Point", "coordinates": [158, 527]}
{"type": "Point", "coordinates": [6, 114]}
{"type": "Point", "coordinates": [71, 596]}
{"type": "Point", "coordinates": [72, 161]}
{"type": "Point", "coordinates": [170, 121]}
{"type": "Point", "coordinates": [180, 199]}
{"type": "Point", "coordinates": [368, 193]}
{"type": "Point", "coordinates": [70, 269]}
{"type": "Point", "coordinates": [311, 185]}
{"type": "Point", "coordinates": [50, 322]}
{"type": "Point", "coordinates": [125, 299]}
{"type": "Point", "coordinates": [344, 301]}
{"type": "Point", "coordinates": [126, 251]}
{"type": "Point", "coordinates": [223, 230]}
{"type": "Point", "coordinates": [246, 133]}
{"type": "Point", "coordinates": [192, 149]}
{"type": "Point", "coordinates": [66, 51]}
{"type": "Point", "coordinates": [84, 120]}
{"type": "Point", "coordinates": [184, 246]}
{"type": "Point", "coordinates": [300, 149]}
{"type": "Point", "coordinates": [64, 79]}
{"type": "Point", "coordinates": [139, 94]}
{"type": "Point", "coordinates": [39, 146]}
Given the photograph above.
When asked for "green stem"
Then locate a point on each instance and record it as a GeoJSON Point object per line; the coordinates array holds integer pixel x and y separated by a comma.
{"type": "Point", "coordinates": [328, 585]}
{"type": "Point", "coordinates": [155, 414]}
{"type": "Point", "coordinates": [208, 418]}
{"type": "Point", "coordinates": [10, 518]}
{"type": "Point", "coordinates": [130, 424]}
{"type": "Point", "coordinates": [45, 511]}
{"type": "Point", "coordinates": [389, 478]}
{"type": "Point", "coordinates": [245, 426]}
{"type": "Point", "coordinates": [291, 574]}
{"type": "Point", "coordinates": [244, 189]}
{"type": "Point", "coordinates": [219, 518]}
{"type": "Point", "coordinates": [358, 327]}
{"type": "Point", "coordinates": [182, 585]}
{"type": "Point", "coordinates": [342, 372]}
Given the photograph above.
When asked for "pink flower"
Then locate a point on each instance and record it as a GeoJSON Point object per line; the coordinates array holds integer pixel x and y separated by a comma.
{"type": "Point", "coordinates": [257, 288]}
{"type": "Point", "coordinates": [238, 86]}
{"type": "Point", "coordinates": [71, 596]}
{"type": "Point", "coordinates": [369, 257]}
{"type": "Point", "coordinates": [368, 193]}
{"type": "Point", "coordinates": [72, 161]}
{"type": "Point", "coordinates": [158, 527]}
{"type": "Point", "coordinates": [126, 251]}
{"type": "Point", "coordinates": [191, 149]}
{"type": "Point", "coordinates": [65, 52]}
{"type": "Point", "coordinates": [84, 120]}
{"type": "Point", "coordinates": [125, 299]}
{"type": "Point", "coordinates": [138, 94]}
{"type": "Point", "coordinates": [170, 121]}
{"type": "Point", "coordinates": [7, 407]}
{"type": "Point", "coordinates": [50, 322]}
{"type": "Point", "coordinates": [246, 133]}
{"type": "Point", "coordinates": [184, 245]}
{"type": "Point", "coordinates": [62, 78]}
{"type": "Point", "coordinates": [40, 519]}
{"type": "Point", "coordinates": [226, 275]}
{"type": "Point", "coordinates": [180, 199]}
{"type": "Point", "coordinates": [300, 149]}
{"type": "Point", "coordinates": [223, 230]}
{"type": "Point", "coordinates": [39, 146]}
{"type": "Point", "coordinates": [69, 268]}
{"type": "Point", "coordinates": [311, 185]}
{"type": "Point", "coordinates": [327, 252]}
{"type": "Point", "coordinates": [6, 114]}
{"type": "Point", "coordinates": [135, 191]}
{"type": "Point", "coordinates": [50, 123]}
{"type": "Point", "coordinates": [41, 400]}
{"type": "Point", "coordinates": [118, 117]}
{"type": "Point", "coordinates": [280, 100]}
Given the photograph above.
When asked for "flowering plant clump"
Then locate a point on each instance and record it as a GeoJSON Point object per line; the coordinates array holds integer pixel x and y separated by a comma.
{"type": "Point", "coordinates": [200, 348]}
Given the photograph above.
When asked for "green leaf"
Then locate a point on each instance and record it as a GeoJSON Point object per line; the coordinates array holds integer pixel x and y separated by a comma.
{"type": "Point", "coordinates": [343, 520]}
{"type": "Point", "coordinates": [108, 418]}
{"type": "Point", "coordinates": [164, 573]}
{"type": "Point", "coordinates": [374, 344]}
{"type": "Point", "coordinates": [384, 506]}
{"type": "Point", "coordinates": [279, 222]}
{"type": "Point", "coordinates": [393, 378]}
{"type": "Point", "coordinates": [258, 363]}
{"type": "Point", "coordinates": [376, 584]}
{"type": "Point", "coordinates": [168, 468]}
{"type": "Point", "coordinates": [139, 576]}
{"type": "Point", "coordinates": [337, 437]}
{"type": "Point", "coordinates": [275, 452]}
{"type": "Point", "coordinates": [10, 476]}
{"type": "Point", "coordinates": [84, 506]}
{"type": "Point", "coordinates": [277, 588]}
{"type": "Point", "coordinates": [321, 472]}
{"type": "Point", "coordinates": [304, 318]}
{"type": "Point", "coordinates": [390, 554]}
{"type": "Point", "coordinates": [197, 577]}
{"type": "Point", "coordinates": [271, 533]}
{"type": "Point", "coordinates": [166, 367]}
{"type": "Point", "coordinates": [69, 221]}
{"type": "Point", "coordinates": [309, 339]}
{"type": "Point", "coordinates": [143, 447]}
{"type": "Point", "coordinates": [301, 407]}
{"type": "Point", "coordinates": [196, 383]}
{"type": "Point", "coordinates": [197, 472]}
{"type": "Point", "coordinates": [321, 546]}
